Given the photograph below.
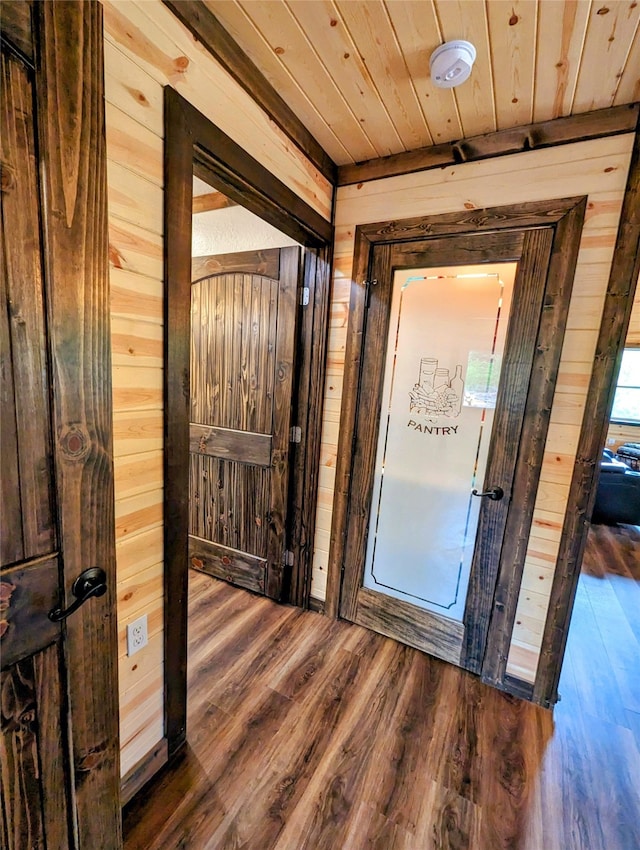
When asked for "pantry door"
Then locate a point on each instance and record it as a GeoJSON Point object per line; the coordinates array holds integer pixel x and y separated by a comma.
{"type": "Point", "coordinates": [458, 348]}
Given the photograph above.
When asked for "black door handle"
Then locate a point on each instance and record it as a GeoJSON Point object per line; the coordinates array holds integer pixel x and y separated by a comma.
{"type": "Point", "coordinates": [92, 582]}
{"type": "Point", "coordinates": [495, 494]}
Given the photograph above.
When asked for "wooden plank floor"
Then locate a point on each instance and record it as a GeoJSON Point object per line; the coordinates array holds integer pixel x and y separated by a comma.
{"type": "Point", "coordinates": [309, 734]}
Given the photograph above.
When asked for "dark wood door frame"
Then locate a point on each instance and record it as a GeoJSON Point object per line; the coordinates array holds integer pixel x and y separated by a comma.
{"type": "Point", "coordinates": [561, 222]}
{"type": "Point", "coordinates": [76, 697]}
{"type": "Point", "coordinates": [623, 280]}
{"type": "Point", "coordinates": [195, 145]}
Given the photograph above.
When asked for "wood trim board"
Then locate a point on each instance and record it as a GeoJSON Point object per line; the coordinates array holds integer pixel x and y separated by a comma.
{"type": "Point", "coordinates": [623, 280]}
{"type": "Point", "coordinates": [559, 131]}
{"type": "Point", "coordinates": [70, 94]}
{"type": "Point", "coordinates": [60, 737]}
{"type": "Point", "coordinates": [559, 275]}
{"type": "Point", "coordinates": [256, 262]}
{"type": "Point", "coordinates": [136, 778]}
{"type": "Point", "coordinates": [230, 444]}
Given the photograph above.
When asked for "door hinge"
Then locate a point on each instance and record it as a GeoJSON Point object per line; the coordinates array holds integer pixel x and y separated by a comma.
{"type": "Point", "coordinates": [287, 558]}
{"type": "Point", "coordinates": [304, 296]}
{"type": "Point", "coordinates": [369, 284]}
{"type": "Point", "coordinates": [295, 434]}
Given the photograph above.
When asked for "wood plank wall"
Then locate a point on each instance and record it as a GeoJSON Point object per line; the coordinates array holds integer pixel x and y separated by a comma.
{"type": "Point", "coordinates": [596, 168]}
{"type": "Point", "coordinates": [146, 48]}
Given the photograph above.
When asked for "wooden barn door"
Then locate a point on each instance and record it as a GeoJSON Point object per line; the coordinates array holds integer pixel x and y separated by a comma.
{"type": "Point", "coordinates": [58, 695]}
{"type": "Point", "coordinates": [242, 362]}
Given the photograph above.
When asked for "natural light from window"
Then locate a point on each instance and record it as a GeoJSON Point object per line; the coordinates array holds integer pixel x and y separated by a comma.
{"type": "Point", "coordinates": [626, 404]}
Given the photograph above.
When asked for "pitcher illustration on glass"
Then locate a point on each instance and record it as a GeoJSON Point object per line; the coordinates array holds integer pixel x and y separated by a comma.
{"type": "Point", "coordinates": [435, 395]}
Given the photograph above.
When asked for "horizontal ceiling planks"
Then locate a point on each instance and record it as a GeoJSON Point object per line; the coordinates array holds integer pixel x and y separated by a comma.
{"type": "Point", "coordinates": [610, 33]}
{"type": "Point", "coordinates": [274, 42]}
{"type": "Point", "coordinates": [629, 85]}
{"type": "Point", "coordinates": [416, 25]}
{"type": "Point", "coordinates": [475, 98]}
{"type": "Point", "coordinates": [386, 69]}
{"type": "Point", "coordinates": [356, 72]}
{"type": "Point", "coordinates": [512, 38]}
{"type": "Point", "coordinates": [562, 27]}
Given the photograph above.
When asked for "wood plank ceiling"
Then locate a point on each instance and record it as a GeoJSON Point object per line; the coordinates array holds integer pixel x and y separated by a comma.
{"type": "Point", "coordinates": [356, 72]}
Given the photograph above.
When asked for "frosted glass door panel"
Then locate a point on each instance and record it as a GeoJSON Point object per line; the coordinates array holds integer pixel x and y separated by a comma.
{"type": "Point", "coordinates": [446, 338]}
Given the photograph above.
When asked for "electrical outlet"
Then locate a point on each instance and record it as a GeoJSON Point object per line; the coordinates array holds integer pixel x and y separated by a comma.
{"type": "Point", "coordinates": [137, 635]}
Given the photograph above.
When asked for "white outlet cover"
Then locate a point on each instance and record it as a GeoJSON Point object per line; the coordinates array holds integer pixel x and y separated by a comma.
{"type": "Point", "coordinates": [137, 637]}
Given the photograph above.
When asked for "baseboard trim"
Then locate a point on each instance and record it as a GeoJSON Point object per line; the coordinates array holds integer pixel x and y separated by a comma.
{"type": "Point", "coordinates": [316, 605]}
{"type": "Point", "coordinates": [144, 770]}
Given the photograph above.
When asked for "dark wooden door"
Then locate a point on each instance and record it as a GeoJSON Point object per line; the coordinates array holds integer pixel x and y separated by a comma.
{"type": "Point", "coordinates": [58, 695]}
{"type": "Point", "coordinates": [430, 427]}
{"type": "Point", "coordinates": [243, 321]}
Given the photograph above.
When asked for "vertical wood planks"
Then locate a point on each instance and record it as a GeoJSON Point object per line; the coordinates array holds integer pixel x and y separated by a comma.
{"type": "Point", "coordinates": [512, 36]}
{"type": "Point", "coordinates": [20, 742]}
{"type": "Point", "coordinates": [242, 370]}
{"type": "Point", "coordinates": [558, 57]}
{"type": "Point", "coordinates": [290, 269]}
{"type": "Point", "coordinates": [26, 389]}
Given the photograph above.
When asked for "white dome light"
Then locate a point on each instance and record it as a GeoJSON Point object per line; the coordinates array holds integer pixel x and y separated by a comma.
{"type": "Point", "coordinates": [451, 63]}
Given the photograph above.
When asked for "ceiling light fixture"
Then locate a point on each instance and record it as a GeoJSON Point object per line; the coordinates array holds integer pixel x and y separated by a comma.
{"type": "Point", "coordinates": [451, 63]}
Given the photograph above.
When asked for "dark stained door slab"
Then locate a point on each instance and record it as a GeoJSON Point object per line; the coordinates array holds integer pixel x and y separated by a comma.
{"type": "Point", "coordinates": [242, 363]}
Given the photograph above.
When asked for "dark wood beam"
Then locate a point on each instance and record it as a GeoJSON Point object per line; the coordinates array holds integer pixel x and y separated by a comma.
{"type": "Point", "coordinates": [623, 279]}
{"type": "Point", "coordinates": [211, 201]}
{"type": "Point", "coordinates": [560, 131]}
{"type": "Point", "coordinates": [213, 36]}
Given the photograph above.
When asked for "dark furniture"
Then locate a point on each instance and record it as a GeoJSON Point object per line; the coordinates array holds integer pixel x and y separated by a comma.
{"type": "Point", "coordinates": [629, 453]}
{"type": "Point", "coordinates": [618, 493]}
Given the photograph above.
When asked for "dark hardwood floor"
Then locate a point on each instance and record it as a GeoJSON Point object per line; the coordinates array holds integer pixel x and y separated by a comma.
{"type": "Point", "coordinates": [310, 734]}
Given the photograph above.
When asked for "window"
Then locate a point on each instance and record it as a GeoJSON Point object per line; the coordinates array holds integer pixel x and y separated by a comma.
{"type": "Point", "coordinates": [626, 404]}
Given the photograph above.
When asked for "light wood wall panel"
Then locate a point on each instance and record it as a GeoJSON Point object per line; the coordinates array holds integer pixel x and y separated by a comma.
{"type": "Point", "coordinates": [135, 296]}
{"type": "Point", "coordinates": [633, 335]}
{"type": "Point", "coordinates": [137, 431]}
{"type": "Point", "coordinates": [145, 49]}
{"type": "Point", "coordinates": [619, 434]}
{"type": "Point", "coordinates": [149, 35]}
{"type": "Point", "coordinates": [595, 168]}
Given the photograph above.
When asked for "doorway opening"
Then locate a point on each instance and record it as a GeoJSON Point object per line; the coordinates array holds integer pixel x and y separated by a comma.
{"type": "Point", "coordinates": [600, 671]}
{"type": "Point", "coordinates": [259, 375]}
{"type": "Point", "coordinates": [245, 309]}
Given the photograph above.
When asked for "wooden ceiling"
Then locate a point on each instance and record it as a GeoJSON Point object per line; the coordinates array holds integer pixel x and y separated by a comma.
{"type": "Point", "coordinates": [356, 72]}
